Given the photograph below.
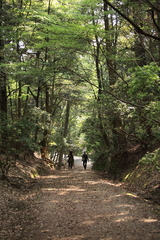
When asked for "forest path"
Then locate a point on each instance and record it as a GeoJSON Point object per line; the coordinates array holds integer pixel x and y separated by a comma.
{"type": "Point", "coordinates": [80, 205]}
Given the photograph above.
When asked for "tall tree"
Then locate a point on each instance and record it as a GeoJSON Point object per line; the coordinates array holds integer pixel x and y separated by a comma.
{"type": "Point", "coordinates": [3, 92]}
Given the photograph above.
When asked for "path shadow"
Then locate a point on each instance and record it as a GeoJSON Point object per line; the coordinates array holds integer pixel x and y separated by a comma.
{"type": "Point", "coordinates": [78, 204]}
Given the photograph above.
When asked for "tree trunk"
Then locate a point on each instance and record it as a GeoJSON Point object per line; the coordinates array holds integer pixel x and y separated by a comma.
{"type": "Point", "coordinates": [37, 105]}
{"type": "Point", "coordinates": [139, 39]}
{"type": "Point", "coordinates": [120, 142]}
{"type": "Point", "coordinates": [64, 134]}
{"type": "Point", "coordinates": [3, 91]}
{"type": "Point", "coordinates": [47, 99]}
{"type": "Point", "coordinates": [19, 100]}
{"type": "Point", "coordinates": [44, 145]}
{"type": "Point", "coordinates": [26, 103]}
{"type": "Point", "coordinates": [104, 135]}
{"type": "Point", "coordinates": [11, 105]}
{"type": "Point", "coordinates": [100, 84]}
{"type": "Point", "coordinates": [158, 15]}
{"type": "Point", "coordinates": [97, 62]}
{"type": "Point", "coordinates": [109, 48]}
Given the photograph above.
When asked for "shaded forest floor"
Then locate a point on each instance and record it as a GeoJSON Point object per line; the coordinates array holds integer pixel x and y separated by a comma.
{"type": "Point", "coordinates": [73, 204]}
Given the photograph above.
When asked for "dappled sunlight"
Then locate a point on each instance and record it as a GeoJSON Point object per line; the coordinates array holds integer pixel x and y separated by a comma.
{"type": "Point", "coordinates": [122, 213]}
{"type": "Point", "coordinates": [73, 187]}
{"type": "Point", "coordinates": [48, 189]}
{"type": "Point", "coordinates": [81, 171]}
{"type": "Point", "coordinates": [131, 195]}
{"type": "Point", "coordinates": [123, 194]}
{"type": "Point", "coordinates": [116, 196]}
{"type": "Point", "coordinates": [63, 190]}
{"type": "Point", "coordinates": [123, 219]}
{"type": "Point", "coordinates": [125, 205]}
{"type": "Point", "coordinates": [106, 200]}
{"type": "Point", "coordinates": [81, 204]}
{"type": "Point", "coordinates": [90, 182]}
{"type": "Point", "coordinates": [103, 182]}
{"type": "Point", "coordinates": [149, 220]}
{"type": "Point", "coordinates": [123, 216]}
{"type": "Point", "coordinates": [67, 191]}
{"type": "Point", "coordinates": [78, 201]}
{"type": "Point", "coordinates": [74, 237]}
{"type": "Point", "coordinates": [53, 176]}
{"type": "Point", "coordinates": [114, 184]}
{"type": "Point", "coordinates": [101, 216]}
{"type": "Point", "coordinates": [88, 222]}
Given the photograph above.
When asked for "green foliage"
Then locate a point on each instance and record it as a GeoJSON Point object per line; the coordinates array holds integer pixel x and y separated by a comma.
{"type": "Point", "coordinates": [143, 83]}
{"type": "Point", "coordinates": [93, 137]}
{"type": "Point", "coordinates": [152, 158]}
{"type": "Point", "coordinates": [100, 160]}
{"type": "Point", "coordinates": [81, 52]}
{"type": "Point", "coordinates": [18, 137]}
{"type": "Point", "coordinates": [145, 177]}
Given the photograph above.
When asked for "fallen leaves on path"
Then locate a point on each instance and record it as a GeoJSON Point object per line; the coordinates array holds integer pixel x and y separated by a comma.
{"type": "Point", "coordinates": [78, 204]}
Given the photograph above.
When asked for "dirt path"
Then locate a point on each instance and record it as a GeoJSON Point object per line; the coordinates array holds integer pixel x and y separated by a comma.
{"type": "Point", "coordinates": [79, 205]}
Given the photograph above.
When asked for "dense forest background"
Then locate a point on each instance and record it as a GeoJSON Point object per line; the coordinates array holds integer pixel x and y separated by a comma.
{"type": "Point", "coordinates": [80, 74]}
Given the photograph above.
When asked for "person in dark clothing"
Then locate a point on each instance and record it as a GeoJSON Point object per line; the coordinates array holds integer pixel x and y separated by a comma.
{"type": "Point", "coordinates": [85, 159]}
{"type": "Point", "coordinates": [70, 160]}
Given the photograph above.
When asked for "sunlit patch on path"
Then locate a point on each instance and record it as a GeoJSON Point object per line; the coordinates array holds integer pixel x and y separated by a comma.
{"type": "Point", "coordinates": [78, 204]}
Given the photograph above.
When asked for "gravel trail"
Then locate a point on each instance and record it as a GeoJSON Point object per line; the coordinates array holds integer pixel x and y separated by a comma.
{"type": "Point", "coordinates": [80, 205]}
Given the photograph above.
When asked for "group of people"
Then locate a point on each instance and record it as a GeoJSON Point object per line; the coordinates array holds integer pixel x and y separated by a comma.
{"type": "Point", "coordinates": [71, 160]}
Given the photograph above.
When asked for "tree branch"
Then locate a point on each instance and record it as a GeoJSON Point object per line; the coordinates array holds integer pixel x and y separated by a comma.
{"type": "Point", "coordinates": [152, 6]}
{"type": "Point", "coordinates": [83, 79]}
{"type": "Point", "coordinates": [136, 27]}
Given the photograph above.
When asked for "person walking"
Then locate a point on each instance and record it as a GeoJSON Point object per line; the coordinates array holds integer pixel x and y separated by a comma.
{"type": "Point", "coordinates": [70, 160]}
{"type": "Point", "coordinates": [85, 159]}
